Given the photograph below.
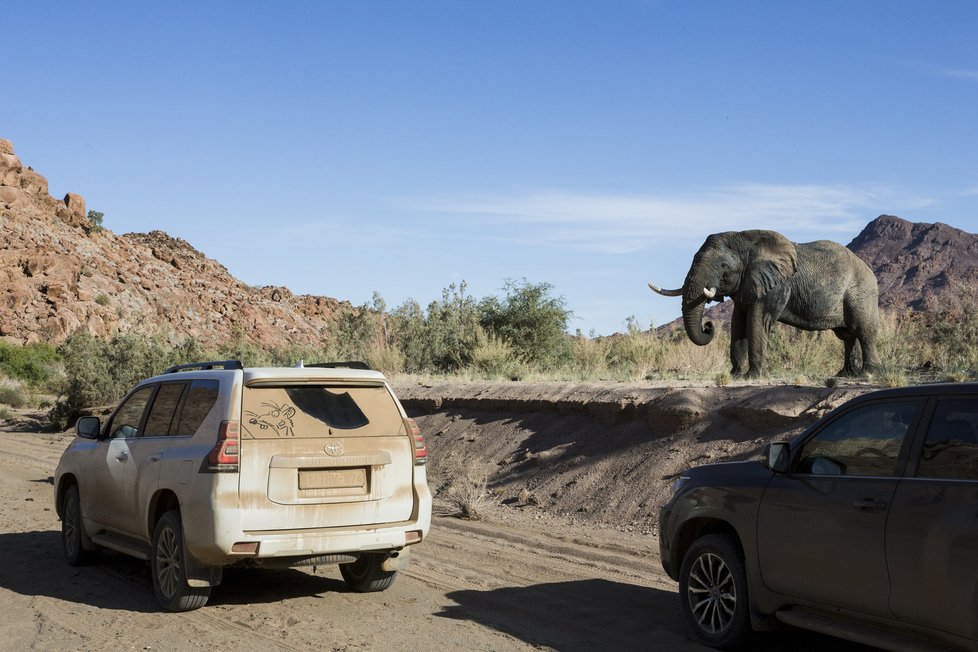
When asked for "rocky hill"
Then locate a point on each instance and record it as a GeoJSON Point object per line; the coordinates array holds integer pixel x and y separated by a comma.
{"type": "Point", "coordinates": [921, 267]}
{"type": "Point", "coordinates": [59, 272]}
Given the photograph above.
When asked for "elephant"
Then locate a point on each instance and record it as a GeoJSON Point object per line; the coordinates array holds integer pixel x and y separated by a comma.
{"type": "Point", "coordinates": [813, 286]}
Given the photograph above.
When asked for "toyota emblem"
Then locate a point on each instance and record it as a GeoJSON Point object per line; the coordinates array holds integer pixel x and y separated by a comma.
{"type": "Point", "coordinates": [334, 448]}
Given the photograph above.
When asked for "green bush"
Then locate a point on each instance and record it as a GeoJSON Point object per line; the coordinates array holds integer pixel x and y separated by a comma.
{"type": "Point", "coordinates": [100, 372]}
{"type": "Point", "coordinates": [441, 338]}
{"type": "Point", "coordinates": [95, 219]}
{"type": "Point", "coordinates": [35, 364]}
{"type": "Point", "coordinates": [530, 320]}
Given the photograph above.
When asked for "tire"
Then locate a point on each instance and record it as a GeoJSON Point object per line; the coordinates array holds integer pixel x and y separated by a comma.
{"type": "Point", "coordinates": [73, 530]}
{"type": "Point", "coordinates": [168, 567]}
{"type": "Point", "coordinates": [366, 575]}
{"type": "Point", "coordinates": [713, 592]}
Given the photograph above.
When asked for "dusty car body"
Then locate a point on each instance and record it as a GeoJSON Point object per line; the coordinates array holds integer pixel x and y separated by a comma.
{"type": "Point", "coordinates": [864, 527]}
{"type": "Point", "coordinates": [214, 465]}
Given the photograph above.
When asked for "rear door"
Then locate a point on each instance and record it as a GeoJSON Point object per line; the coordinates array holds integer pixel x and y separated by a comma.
{"type": "Point", "coordinates": [323, 455]}
{"type": "Point", "coordinates": [932, 532]}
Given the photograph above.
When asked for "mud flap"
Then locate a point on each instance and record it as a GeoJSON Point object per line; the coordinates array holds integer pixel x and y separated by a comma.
{"type": "Point", "coordinates": [199, 575]}
{"type": "Point", "coordinates": [397, 560]}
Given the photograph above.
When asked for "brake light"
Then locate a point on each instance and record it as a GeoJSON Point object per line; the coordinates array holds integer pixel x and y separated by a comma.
{"type": "Point", "coordinates": [224, 455]}
{"type": "Point", "coordinates": [420, 449]}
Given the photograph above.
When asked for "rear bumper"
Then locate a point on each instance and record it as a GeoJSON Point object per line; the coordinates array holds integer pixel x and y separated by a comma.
{"type": "Point", "coordinates": [211, 539]}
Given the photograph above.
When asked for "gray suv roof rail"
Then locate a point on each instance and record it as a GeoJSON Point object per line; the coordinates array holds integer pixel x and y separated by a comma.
{"type": "Point", "coordinates": [352, 364]}
{"type": "Point", "coordinates": [223, 364]}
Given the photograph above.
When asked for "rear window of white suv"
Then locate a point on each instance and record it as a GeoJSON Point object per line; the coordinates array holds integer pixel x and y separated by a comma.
{"type": "Point", "coordinates": [320, 411]}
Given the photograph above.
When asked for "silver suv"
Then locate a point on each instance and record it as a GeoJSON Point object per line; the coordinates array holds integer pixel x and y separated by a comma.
{"type": "Point", "coordinates": [213, 465]}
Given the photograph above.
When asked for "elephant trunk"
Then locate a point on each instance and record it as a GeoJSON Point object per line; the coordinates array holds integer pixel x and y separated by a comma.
{"type": "Point", "coordinates": [697, 292]}
{"type": "Point", "coordinates": [699, 333]}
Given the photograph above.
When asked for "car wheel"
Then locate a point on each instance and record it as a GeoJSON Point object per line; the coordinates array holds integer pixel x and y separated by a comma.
{"type": "Point", "coordinates": [365, 575]}
{"type": "Point", "coordinates": [713, 592]}
{"type": "Point", "coordinates": [168, 565]}
{"type": "Point", "coordinates": [73, 530]}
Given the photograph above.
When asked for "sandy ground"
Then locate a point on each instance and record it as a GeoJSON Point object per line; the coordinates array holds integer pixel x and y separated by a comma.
{"type": "Point", "coordinates": [521, 579]}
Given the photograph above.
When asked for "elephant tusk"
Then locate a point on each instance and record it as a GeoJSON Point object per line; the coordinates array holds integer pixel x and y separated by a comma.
{"type": "Point", "coordinates": [709, 293]}
{"type": "Point", "coordinates": [665, 293]}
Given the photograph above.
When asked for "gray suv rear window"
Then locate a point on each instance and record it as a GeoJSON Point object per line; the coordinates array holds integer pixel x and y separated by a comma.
{"type": "Point", "coordinates": [951, 448]}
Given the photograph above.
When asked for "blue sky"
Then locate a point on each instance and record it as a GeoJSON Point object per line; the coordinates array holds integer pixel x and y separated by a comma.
{"type": "Point", "coordinates": [340, 148]}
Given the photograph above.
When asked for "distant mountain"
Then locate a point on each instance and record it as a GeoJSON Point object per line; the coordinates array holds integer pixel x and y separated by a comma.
{"type": "Point", "coordinates": [58, 274]}
{"type": "Point", "coordinates": [919, 267]}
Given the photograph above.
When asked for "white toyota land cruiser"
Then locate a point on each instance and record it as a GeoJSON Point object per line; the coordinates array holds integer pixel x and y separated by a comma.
{"type": "Point", "coordinates": [212, 465]}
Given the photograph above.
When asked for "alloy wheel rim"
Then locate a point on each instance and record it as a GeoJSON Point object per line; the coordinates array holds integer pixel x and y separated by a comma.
{"type": "Point", "coordinates": [711, 593]}
{"type": "Point", "coordinates": [168, 566]}
{"type": "Point", "coordinates": [71, 526]}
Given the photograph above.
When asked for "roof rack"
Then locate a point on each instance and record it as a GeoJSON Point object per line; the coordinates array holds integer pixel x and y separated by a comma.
{"type": "Point", "coordinates": [223, 364]}
{"type": "Point", "coordinates": [352, 364]}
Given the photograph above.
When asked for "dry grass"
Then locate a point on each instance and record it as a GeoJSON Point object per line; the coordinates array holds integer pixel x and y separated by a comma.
{"type": "Point", "coordinates": [913, 348]}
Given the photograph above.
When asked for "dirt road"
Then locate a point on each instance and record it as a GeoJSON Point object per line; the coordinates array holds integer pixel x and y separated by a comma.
{"type": "Point", "coordinates": [472, 586]}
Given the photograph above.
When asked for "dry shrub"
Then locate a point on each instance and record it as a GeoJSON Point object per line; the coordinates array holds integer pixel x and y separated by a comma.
{"type": "Point", "coordinates": [12, 393]}
{"type": "Point", "coordinates": [589, 356]}
{"type": "Point", "coordinates": [460, 482]}
{"type": "Point", "coordinates": [387, 359]}
{"type": "Point", "coordinates": [495, 358]}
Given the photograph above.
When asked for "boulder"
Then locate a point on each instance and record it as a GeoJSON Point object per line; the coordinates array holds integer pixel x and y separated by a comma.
{"type": "Point", "coordinates": [76, 204]}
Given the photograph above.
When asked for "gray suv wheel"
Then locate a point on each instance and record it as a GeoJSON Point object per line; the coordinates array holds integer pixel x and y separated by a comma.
{"type": "Point", "coordinates": [713, 592]}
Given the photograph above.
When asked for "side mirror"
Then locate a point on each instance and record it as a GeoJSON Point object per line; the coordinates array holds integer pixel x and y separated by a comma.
{"type": "Point", "coordinates": [88, 427]}
{"type": "Point", "coordinates": [778, 456]}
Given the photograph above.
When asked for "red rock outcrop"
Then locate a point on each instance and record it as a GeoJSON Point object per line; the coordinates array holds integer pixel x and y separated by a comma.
{"type": "Point", "coordinates": [58, 274]}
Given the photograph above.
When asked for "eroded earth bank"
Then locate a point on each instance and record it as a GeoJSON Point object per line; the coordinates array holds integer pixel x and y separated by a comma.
{"type": "Point", "coordinates": [566, 558]}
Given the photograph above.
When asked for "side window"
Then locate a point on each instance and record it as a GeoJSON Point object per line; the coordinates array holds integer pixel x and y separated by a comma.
{"type": "Point", "coordinates": [951, 448]}
{"type": "Point", "coordinates": [164, 406]}
{"type": "Point", "coordinates": [126, 421]}
{"type": "Point", "coordinates": [200, 400]}
{"type": "Point", "coordinates": [864, 442]}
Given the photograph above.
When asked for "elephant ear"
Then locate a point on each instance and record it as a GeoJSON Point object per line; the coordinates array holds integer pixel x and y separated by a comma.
{"type": "Point", "coordinates": [772, 259]}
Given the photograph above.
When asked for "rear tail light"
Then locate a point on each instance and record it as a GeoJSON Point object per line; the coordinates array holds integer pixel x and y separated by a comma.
{"type": "Point", "coordinates": [224, 455]}
{"type": "Point", "coordinates": [420, 450]}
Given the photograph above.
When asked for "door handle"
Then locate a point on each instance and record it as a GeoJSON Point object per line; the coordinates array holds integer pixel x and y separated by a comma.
{"type": "Point", "coordinates": [123, 456]}
{"type": "Point", "coordinates": [870, 505]}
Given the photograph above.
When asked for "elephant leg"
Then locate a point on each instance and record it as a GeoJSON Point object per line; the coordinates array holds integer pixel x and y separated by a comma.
{"type": "Point", "coordinates": [761, 318]}
{"type": "Point", "coordinates": [738, 341]}
{"type": "Point", "coordinates": [756, 340]}
{"type": "Point", "coordinates": [865, 330]}
{"type": "Point", "coordinates": [850, 361]}
{"type": "Point", "coordinates": [871, 361]}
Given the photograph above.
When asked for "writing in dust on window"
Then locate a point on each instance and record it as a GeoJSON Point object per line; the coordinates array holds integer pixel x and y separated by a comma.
{"type": "Point", "coordinates": [277, 418]}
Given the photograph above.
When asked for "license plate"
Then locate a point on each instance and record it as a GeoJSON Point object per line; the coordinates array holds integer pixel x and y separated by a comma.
{"type": "Point", "coordinates": [333, 479]}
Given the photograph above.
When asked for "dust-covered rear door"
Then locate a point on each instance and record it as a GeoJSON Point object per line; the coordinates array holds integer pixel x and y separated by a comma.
{"type": "Point", "coordinates": [323, 455]}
